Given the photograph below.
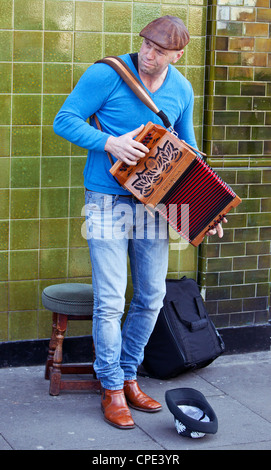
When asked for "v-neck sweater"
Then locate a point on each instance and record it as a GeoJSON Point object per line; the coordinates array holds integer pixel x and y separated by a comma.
{"type": "Point", "coordinates": [102, 91]}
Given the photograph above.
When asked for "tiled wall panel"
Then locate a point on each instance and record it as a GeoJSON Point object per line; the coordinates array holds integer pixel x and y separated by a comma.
{"type": "Point", "coordinates": [45, 46]}
{"type": "Point", "coordinates": [235, 273]}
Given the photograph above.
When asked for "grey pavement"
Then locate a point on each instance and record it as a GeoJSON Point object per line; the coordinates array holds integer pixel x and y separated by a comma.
{"type": "Point", "coordinates": [238, 387]}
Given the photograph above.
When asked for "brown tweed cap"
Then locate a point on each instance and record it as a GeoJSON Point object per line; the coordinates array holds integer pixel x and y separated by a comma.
{"type": "Point", "coordinates": [168, 32]}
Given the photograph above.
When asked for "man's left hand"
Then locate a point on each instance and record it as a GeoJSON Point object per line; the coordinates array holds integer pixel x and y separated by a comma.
{"type": "Point", "coordinates": [218, 229]}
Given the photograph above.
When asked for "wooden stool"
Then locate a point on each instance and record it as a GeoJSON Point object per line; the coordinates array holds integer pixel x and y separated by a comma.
{"type": "Point", "coordinates": [69, 301]}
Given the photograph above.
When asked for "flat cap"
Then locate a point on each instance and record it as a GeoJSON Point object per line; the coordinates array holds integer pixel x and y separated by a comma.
{"type": "Point", "coordinates": [168, 32]}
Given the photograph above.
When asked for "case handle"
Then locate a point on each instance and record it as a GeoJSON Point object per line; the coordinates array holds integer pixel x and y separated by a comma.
{"type": "Point", "coordinates": [193, 325]}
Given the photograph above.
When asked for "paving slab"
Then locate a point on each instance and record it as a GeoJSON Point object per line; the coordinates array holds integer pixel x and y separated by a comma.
{"type": "Point", "coordinates": [237, 387]}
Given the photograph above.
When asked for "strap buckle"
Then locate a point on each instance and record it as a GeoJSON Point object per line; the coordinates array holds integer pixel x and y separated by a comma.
{"type": "Point", "coordinates": [172, 131]}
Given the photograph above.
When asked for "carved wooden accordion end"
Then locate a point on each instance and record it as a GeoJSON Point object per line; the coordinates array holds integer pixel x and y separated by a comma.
{"type": "Point", "coordinates": [175, 181]}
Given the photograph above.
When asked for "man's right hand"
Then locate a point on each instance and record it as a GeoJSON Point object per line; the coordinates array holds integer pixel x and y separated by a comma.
{"type": "Point", "coordinates": [125, 148]}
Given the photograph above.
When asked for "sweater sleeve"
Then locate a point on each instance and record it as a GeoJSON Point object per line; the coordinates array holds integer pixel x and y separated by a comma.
{"type": "Point", "coordinates": [86, 99]}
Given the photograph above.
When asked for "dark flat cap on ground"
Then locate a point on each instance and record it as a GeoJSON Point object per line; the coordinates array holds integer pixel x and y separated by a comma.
{"type": "Point", "coordinates": [194, 416]}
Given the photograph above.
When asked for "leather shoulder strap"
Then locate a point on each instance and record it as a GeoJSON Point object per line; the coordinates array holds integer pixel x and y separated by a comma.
{"type": "Point", "coordinates": [136, 86]}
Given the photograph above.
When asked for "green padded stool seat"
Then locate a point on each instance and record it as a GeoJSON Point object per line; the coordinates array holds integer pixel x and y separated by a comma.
{"type": "Point", "coordinates": [69, 301]}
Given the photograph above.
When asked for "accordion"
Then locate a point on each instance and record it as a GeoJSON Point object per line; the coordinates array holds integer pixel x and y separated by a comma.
{"type": "Point", "coordinates": [174, 180]}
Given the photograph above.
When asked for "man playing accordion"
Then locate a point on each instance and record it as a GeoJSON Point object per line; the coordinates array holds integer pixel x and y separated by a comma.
{"type": "Point", "coordinates": [122, 116]}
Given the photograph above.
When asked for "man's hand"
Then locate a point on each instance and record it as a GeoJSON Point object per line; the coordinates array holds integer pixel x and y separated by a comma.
{"type": "Point", "coordinates": [125, 148]}
{"type": "Point", "coordinates": [218, 229]}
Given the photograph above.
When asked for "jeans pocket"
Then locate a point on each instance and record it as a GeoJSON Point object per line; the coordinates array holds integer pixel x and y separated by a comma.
{"type": "Point", "coordinates": [98, 201]}
{"type": "Point", "coordinates": [98, 214]}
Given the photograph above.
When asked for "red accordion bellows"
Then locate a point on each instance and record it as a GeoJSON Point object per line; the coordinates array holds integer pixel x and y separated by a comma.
{"type": "Point", "coordinates": [174, 180]}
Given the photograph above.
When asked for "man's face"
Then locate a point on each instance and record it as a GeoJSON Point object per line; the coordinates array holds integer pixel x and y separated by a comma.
{"type": "Point", "coordinates": [153, 59]}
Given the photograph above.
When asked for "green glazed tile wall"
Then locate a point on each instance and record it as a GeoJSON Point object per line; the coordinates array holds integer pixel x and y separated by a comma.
{"type": "Point", "coordinates": [235, 273]}
{"type": "Point", "coordinates": [45, 46]}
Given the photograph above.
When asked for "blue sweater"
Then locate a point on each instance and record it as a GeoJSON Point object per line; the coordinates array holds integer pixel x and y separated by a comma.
{"type": "Point", "coordinates": [101, 90]}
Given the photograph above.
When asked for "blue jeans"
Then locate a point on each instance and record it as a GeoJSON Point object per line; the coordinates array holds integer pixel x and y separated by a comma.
{"type": "Point", "coordinates": [117, 226]}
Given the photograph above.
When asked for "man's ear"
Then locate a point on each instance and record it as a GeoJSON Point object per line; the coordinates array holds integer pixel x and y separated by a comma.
{"type": "Point", "coordinates": [178, 56]}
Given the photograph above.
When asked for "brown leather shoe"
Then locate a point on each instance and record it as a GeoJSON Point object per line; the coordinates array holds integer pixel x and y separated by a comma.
{"type": "Point", "coordinates": [138, 399]}
{"type": "Point", "coordinates": [115, 409]}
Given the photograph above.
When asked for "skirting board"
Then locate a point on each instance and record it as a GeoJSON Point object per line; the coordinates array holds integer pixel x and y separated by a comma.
{"type": "Point", "coordinates": [237, 340]}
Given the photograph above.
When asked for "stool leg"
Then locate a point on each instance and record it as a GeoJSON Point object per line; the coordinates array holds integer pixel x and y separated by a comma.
{"type": "Point", "coordinates": [52, 347]}
{"type": "Point", "coordinates": [55, 375]}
